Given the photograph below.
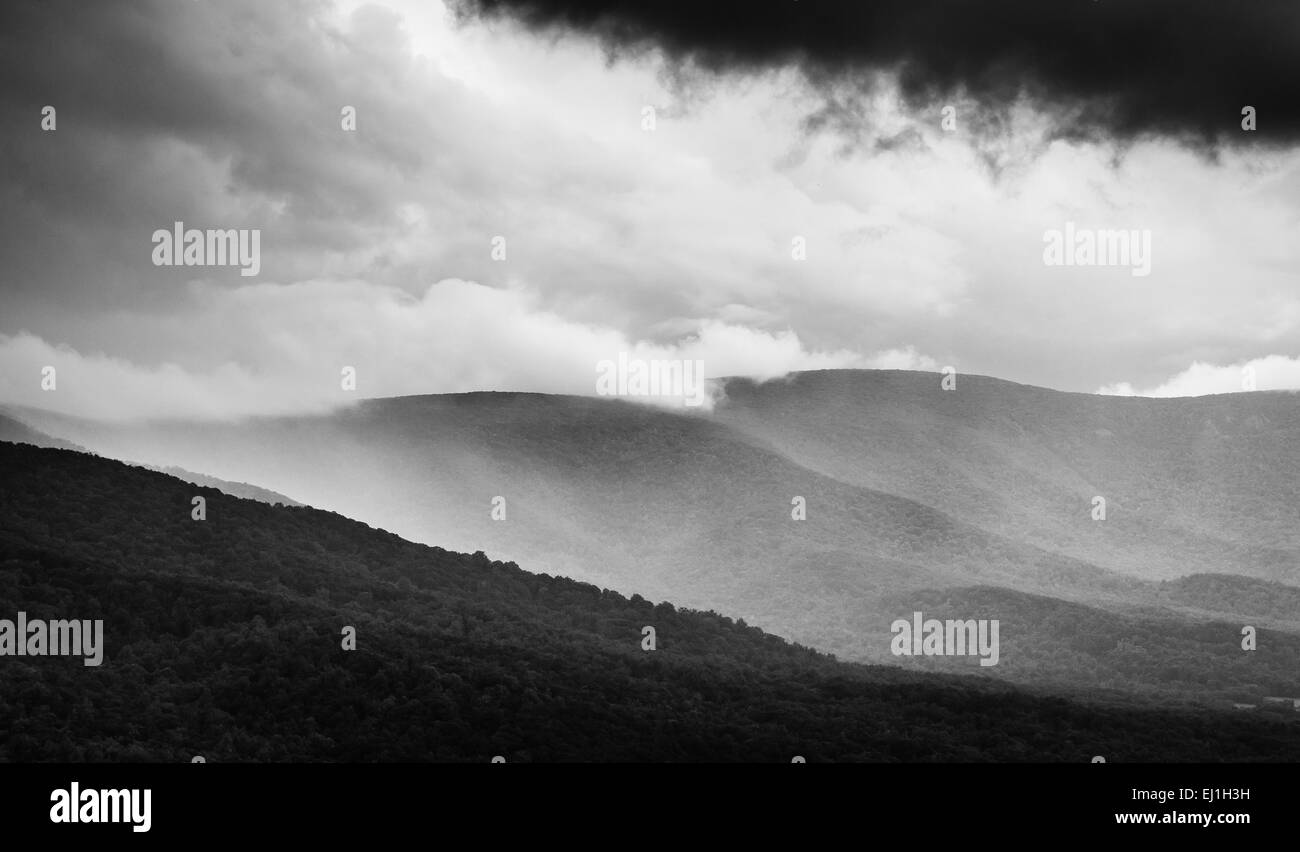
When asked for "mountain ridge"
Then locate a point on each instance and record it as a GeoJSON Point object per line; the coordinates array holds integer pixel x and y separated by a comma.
{"type": "Point", "coordinates": [909, 489]}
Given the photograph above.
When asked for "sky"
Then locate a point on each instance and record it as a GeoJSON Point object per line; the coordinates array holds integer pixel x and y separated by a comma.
{"type": "Point", "coordinates": [534, 187]}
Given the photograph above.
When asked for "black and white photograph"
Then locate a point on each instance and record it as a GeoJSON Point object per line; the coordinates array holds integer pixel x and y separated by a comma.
{"type": "Point", "coordinates": [876, 382]}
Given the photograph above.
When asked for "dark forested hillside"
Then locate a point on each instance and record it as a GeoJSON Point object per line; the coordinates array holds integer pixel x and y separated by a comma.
{"type": "Point", "coordinates": [223, 638]}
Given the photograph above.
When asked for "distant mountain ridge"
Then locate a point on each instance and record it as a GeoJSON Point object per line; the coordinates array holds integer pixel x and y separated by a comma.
{"type": "Point", "coordinates": [13, 431]}
{"type": "Point", "coordinates": [1198, 484]}
{"type": "Point", "coordinates": [234, 489]}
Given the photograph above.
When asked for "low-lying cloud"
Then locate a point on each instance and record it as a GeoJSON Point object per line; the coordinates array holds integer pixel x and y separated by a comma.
{"type": "Point", "coordinates": [1275, 372]}
{"type": "Point", "coordinates": [296, 341]}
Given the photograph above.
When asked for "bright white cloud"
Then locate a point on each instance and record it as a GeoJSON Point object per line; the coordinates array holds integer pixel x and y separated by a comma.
{"type": "Point", "coordinates": [1275, 372]}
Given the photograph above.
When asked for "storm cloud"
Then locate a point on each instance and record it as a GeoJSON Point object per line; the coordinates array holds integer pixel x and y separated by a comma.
{"type": "Point", "coordinates": [1118, 70]}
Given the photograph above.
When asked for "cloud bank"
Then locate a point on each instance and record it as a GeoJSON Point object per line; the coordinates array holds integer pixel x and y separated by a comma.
{"type": "Point", "coordinates": [459, 336]}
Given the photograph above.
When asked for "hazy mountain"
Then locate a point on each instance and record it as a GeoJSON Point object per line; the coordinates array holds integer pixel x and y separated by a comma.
{"type": "Point", "coordinates": [20, 433]}
{"type": "Point", "coordinates": [223, 639]}
{"type": "Point", "coordinates": [15, 432]}
{"type": "Point", "coordinates": [1194, 484]}
{"type": "Point", "coordinates": [910, 489]}
{"type": "Point", "coordinates": [235, 489]}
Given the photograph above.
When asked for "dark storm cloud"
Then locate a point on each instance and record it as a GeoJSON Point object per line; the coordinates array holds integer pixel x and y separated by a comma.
{"type": "Point", "coordinates": [1111, 68]}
